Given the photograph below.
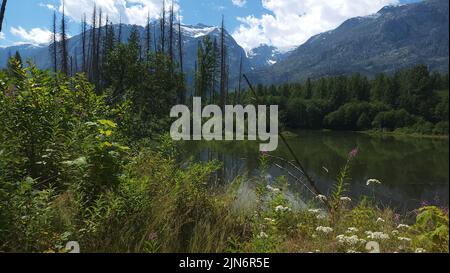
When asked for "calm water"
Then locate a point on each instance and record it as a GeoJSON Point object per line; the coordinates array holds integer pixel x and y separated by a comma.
{"type": "Point", "coordinates": [412, 170]}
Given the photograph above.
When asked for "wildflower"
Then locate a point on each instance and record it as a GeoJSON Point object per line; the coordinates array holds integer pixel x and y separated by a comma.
{"type": "Point", "coordinates": [346, 199]}
{"type": "Point", "coordinates": [420, 250]}
{"type": "Point", "coordinates": [352, 230]}
{"type": "Point", "coordinates": [348, 240]}
{"type": "Point", "coordinates": [315, 211]}
{"type": "Point", "coordinates": [281, 208]}
{"type": "Point", "coordinates": [353, 153]}
{"type": "Point", "coordinates": [380, 220]}
{"type": "Point", "coordinates": [321, 216]}
{"type": "Point", "coordinates": [395, 232]}
{"type": "Point", "coordinates": [377, 235]}
{"type": "Point", "coordinates": [322, 197]}
{"type": "Point", "coordinates": [263, 235]}
{"type": "Point", "coordinates": [404, 239]}
{"type": "Point", "coordinates": [401, 226]}
{"type": "Point", "coordinates": [272, 189]}
{"type": "Point", "coordinates": [325, 230]}
{"type": "Point", "coordinates": [350, 251]}
{"type": "Point", "coordinates": [373, 182]}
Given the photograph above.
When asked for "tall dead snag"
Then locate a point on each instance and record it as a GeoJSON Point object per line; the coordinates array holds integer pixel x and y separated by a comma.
{"type": "Point", "coordinates": [63, 44]}
{"type": "Point", "coordinates": [240, 78]}
{"type": "Point", "coordinates": [171, 34]}
{"type": "Point", "coordinates": [163, 27]}
{"type": "Point", "coordinates": [222, 66]}
{"type": "Point", "coordinates": [119, 35]}
{"type": "Point", "coordinates": [98, 51]}
{"type": "Point", "coordinates": [148, 39]}
{"type": "Point", "coordinates": [54, 44]}
{"type": "Point", "coordinates": [2, 13]}
{"type": "Point", "coordinates": [93, 45]}
{"type": "Point", "coordinates": [83, 43]}
{"type": "Point", "coordinates": [180, 45]}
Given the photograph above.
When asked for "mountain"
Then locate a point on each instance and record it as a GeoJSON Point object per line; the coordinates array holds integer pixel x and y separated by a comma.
{"type": "Point", "coordinates": [394, 38]}
{"type": "Point", "coordinates": [264, 56]}
{"type": "Point", "coordinates": [192, 35]}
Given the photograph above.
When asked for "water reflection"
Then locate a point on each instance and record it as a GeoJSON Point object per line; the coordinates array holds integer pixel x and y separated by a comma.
{"type": "Point", "coordinates": [413, 170]}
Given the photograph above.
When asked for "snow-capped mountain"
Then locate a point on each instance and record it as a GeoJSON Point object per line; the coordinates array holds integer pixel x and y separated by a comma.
{"type": "Point", "coordinates": [264, 56]}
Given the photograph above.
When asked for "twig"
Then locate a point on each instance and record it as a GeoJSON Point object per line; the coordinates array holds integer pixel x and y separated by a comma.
{"type": "Point", "coordinates": [315, 190]}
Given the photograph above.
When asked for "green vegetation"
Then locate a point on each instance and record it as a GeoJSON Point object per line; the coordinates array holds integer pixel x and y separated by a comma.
{"type": "Point", "coordinates": [77, 165]}
{"type": "Point", "coordinates": [410, 101]}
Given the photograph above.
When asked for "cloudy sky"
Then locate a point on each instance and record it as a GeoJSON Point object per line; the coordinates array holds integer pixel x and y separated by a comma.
{"type": "Point", "coordinates": [282, 23]}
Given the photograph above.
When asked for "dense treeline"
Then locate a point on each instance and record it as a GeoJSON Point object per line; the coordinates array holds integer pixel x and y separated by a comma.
{"type": "Point", "coordinates": [412, 101]}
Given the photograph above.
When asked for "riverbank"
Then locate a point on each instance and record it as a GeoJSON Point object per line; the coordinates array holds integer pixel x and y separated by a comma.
{"type": "Point", "coordinates": [294, 133]}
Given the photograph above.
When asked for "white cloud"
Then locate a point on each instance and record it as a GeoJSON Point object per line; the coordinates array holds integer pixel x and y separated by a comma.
{"type": "Point", "coordinates": [293, 22]}
{"type": "Point", "coordinates": [2, 36]}
{"type": "Point", "coordinates": [48, 6]}
{"type": "Point", "coordinates": [239, 3]}
{"type": "Point", "coordinates": [128, 11]}
{"type": "Point", "coordinates": [34, 36]}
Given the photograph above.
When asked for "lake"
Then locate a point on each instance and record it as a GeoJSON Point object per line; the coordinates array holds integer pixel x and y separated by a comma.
{"type": "Point", "coordinates": [413, 171]}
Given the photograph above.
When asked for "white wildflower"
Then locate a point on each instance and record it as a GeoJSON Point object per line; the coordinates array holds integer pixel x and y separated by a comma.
{"type": "Point", "coordinates": [420, 250]}
{"type": "Point", "coordinates": [282, 208]}
{"type": "Point", "coordinates": [395, 232]}
{"type": "Point", "coordinates": [401, 226]}
{"type": "Point", "coordinates": [377, 235]}
{"type": "Point", "coordinates": [348, 240]}
{"type": "Point", "coordinates": [321, 216]}
{"type": "Point", "coordinates": [315, 211]}
{"type": "Point", "coordinates": [373, 182]}
{"type": "Point", "coordinates": [322, 197]}
{"type": "Point", "coordinates": [272, 189]}
{"type": "Point", "coordinates": [263, 235]}
{"type": "Point", "coordinates": [380, 220]}
{"type": "Point", "coordinates": [351, 251]}
{"type": "Point", "coordinates": [325, 230]}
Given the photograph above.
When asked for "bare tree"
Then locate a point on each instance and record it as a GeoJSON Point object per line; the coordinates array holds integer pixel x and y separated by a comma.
{"type": "Point", "coordinates": [2, 13]}
{"type": "Point", "coordinates": [222, 65]}
{"type": "Point", "coordinates": [163, 27]}
{"type": "Point", "coordinates": [148, 35]}
{"type": "Point", "coordinates": [171, 33]}
{"type": "Point", "coordinates": [63, 44]}
{"type": "Point", "coordinates": [83, 43]}
{"type": "Point", "coordinates": [54, 44]}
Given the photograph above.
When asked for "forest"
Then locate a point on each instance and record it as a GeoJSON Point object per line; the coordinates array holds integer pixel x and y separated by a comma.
{"type": "Point", "coordinates": [85, 156]}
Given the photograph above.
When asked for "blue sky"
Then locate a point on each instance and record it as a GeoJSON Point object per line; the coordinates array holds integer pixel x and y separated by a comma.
{"type": "Point", "coordinates": [282, 23]}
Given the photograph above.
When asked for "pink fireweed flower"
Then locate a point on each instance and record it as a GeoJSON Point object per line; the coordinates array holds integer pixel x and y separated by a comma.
{"type": "Point", "coordinates": [354, 153]}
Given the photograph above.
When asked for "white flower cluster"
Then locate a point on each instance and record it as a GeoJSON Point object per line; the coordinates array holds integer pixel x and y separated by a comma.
{"type": "Point", "coordinates": [380, 220]}
{"type": "Point", "coordinates": [322, 197]}
{"type": "Point", "coordinates": [420, 250]}
{"type": "Point", "coordinates": [377, 235]}
{"type": "Point", "coordinates": [282, 209]}
{"type": "Point", "coordinates": [373, 182]}
{"type": "Point", "coordinates": [350, 240]}
{"type": "Point", "coordinates": [263, 235]}
{"type": "Point", "coordinates": [402, 226]}
{"type": "Point", "coordinates": [272, 189]}
{"type": "Point", "coordinates": [325, 230]}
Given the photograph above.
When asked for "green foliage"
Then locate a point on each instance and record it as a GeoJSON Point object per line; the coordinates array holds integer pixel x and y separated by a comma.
{"type": "Point", "coordinates": [432, 227]}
